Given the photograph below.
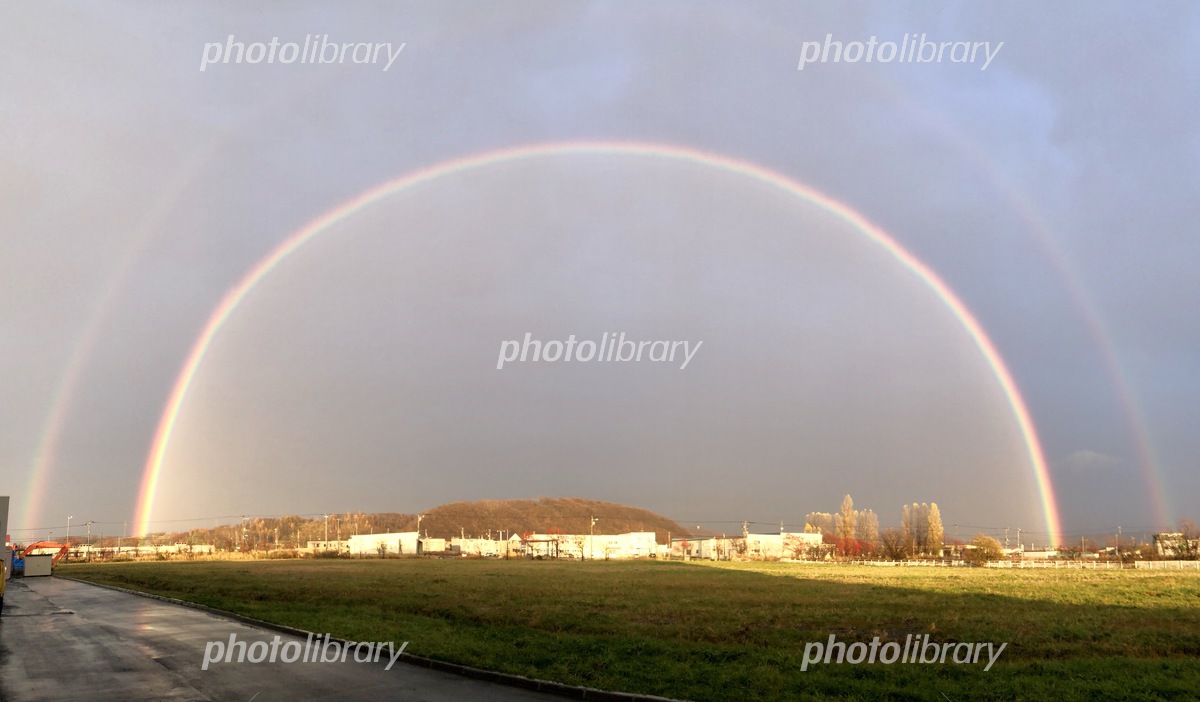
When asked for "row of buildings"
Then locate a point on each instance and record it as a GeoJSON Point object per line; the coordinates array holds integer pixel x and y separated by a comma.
{"type": "Point", "coordinates": [637, 544]}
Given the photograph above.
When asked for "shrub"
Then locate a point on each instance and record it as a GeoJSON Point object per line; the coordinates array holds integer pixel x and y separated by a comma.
{"type": "Point", "coordinates": [982, 549]}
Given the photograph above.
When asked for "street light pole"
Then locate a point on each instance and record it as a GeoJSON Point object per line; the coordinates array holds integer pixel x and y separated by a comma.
{"type": "Point", "coordinates": [591, 537]}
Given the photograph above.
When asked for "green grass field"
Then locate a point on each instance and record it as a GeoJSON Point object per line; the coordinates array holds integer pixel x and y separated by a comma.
{"type": "Point", "coordinates": [729, 631]}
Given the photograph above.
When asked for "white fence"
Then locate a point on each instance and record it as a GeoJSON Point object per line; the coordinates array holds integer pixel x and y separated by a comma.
{"type": "Point", "coordinates": [1169, 565]}
{"type": "Point", "coordinates": [1040, 564]}
{"type": "Point", "coordinates": [1059, 565]}
{"type": "Point", "coordinates": [914, 564]}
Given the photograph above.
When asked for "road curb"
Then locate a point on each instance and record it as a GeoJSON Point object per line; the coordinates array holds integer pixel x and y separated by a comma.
{"type": "Point", "coordinates": [560, 689]}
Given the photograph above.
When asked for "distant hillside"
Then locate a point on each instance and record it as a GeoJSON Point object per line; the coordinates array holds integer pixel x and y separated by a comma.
{"type": "Point", "coordinates": [287, 532]}
{"type": "Point", "coordinates": [567, 514]}
{"type": "Point", "coordinates": [570, 515]}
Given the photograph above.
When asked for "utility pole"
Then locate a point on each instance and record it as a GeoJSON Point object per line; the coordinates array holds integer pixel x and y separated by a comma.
{"type": "Point", "coordinates": [68, 539]}
{"type": "Point", "coordinates": [244, 544]}
{"type": "Point", "coordinates": [326, 531]}
{"type": "Point", "coordinates": [1005, 538]}
{"type": "Point", "coordinates": [1019, 546]}
{"type": "Point", "coordinates": [89, 543]}
{"type": "Point", "coordinates": [1118, 550]}
{"type": "Point", "coordinates": [591, 537]}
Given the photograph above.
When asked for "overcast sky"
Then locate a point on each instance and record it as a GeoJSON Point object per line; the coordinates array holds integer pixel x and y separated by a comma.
{"type": "Point", "coordinates": [1055, 192]}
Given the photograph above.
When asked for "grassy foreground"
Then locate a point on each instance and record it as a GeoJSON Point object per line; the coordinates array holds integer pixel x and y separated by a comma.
{"type": "Point", "coordinates": [729, 631]}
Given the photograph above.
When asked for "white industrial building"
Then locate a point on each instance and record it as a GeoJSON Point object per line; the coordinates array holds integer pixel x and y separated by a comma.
{"type": "Point", "coordinates": [479, 547]}
{"type": "Point", "coordinates": [710, 548]}
{"type": "Point", "coordinates": [793, 545]}
{"type": "Point", "coordinates": [402, 543]}
{"type": "Point", "coordinates": [637, 544]}
{"type": "Point", "coordinates": [1175, 544]}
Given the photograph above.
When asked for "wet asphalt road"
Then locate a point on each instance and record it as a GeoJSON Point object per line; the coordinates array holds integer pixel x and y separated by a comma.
{"type": "Point", "coordinates": [62, 640]}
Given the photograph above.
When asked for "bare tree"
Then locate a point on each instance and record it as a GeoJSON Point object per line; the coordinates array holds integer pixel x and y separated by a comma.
{"type": "Point", "coordinates": [894, 543]}
{"type": "Point", "coordinates": [796, 547]}
{"type": "Point", "coordinates": [556, 537]}
{"type": "Point", "coordinates": [914, 525]}
{"type": "Point", "coordinates": [908, 527]}
{"type": "Point", "coordinates": [868, 527]}
{"type": "Point", "coordinates": [923, 528]}
{"type": "Point", "coordinates": [936, 534]}
{"type": "Point", "coordinates": [849, 520]}
{"type": "Point", "coordinates": [820, 523]}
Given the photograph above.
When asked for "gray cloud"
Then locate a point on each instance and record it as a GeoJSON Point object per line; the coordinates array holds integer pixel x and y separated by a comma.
{"type": "Point", "coordinates": [136, 190]}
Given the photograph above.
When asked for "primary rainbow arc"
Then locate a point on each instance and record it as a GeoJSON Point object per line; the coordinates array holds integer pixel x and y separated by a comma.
{"type": "Point", "coordinates": [235, 296]}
